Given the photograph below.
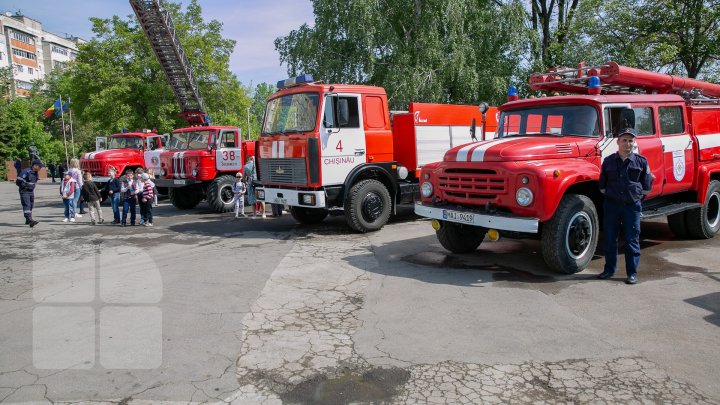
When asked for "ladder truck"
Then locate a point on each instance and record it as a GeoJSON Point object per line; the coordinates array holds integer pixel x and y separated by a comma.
{"type": "Point", "coordinates": [539, 176]}
{"type": "Point", "coordinates": [199, 161]}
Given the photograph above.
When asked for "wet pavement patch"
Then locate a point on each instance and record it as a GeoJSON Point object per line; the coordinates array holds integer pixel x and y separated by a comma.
{"type": "Point", "coordinates": [371, 386]}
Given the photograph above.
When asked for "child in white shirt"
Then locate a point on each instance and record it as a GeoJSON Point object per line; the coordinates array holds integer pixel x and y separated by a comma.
{"type": "Point", "coordinates": [239, 189]}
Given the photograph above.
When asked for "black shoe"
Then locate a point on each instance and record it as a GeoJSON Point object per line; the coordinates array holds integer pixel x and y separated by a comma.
{"type": "Point", "coordinates": [102, 220]}
{"type": "Point", "coordinates": [33, 223]}
{"type": "Point", "coordinates": [605, 275]}
{"type": "Point", "coordinates": [27, 221]}
{"type": "Point", "coordinates": [631, 279]}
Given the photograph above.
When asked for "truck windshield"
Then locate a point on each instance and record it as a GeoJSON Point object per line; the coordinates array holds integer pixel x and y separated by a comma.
{"type": "Point", "coordinates": [291, 113]}
{"type": "Point", "coordinates": [558, 120]}
{"type": "Point", "coordinates": [125, 142]}
{"type": "Point", "coordinates": [189, 140]}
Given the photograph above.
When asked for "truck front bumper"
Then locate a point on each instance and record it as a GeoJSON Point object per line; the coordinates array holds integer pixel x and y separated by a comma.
{"type": "Point", "coordinates": [462, 215]}
{"type": "Point", "coordinates": [174, 183]}
{"type": "Point", "coordinates": [293, 198]}
{"type": "Point", "coordinates": [101, 179]}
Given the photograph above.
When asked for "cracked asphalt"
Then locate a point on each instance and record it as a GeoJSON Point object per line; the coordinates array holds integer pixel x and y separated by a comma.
{"type": "Point", "coordinates": [206, 309]}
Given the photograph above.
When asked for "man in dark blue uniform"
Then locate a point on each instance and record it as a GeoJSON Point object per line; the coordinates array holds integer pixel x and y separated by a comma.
{"type": "Point", "coordinates": [625, 180]}
{"type": "Point", "coordinates": [26, 183]}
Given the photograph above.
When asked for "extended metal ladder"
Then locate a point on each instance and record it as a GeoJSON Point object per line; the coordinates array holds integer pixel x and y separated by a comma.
{"type": "Point", "coordinates": [617, 79]}
{"type": "Point", "coordinates": [160, 31]}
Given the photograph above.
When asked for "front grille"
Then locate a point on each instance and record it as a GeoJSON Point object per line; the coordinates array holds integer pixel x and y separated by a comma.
{"type": "Point", "coordinates": [283, 171]}
{"type": "Point", "coordinates": [471, 183]}
{"type": "Point", "coordinates": [92, 166]}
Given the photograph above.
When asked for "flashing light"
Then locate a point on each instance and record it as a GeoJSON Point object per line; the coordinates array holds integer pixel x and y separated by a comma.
{"type": "Point", "coordinates": [306, 78]}
{"type": "Point", "coordinates": [124, 130]}
{"type": "Point", "coordinates": [594, 87]}
{"type": "Point", "coordinates": [512, 93]}
{"type": "Point", "coordinates": [493, 235]}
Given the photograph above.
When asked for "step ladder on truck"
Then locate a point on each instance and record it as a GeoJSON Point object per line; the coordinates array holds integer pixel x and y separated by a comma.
{"type": "Point", "coordinates": [336, 148]}
{"type": "Point", "coordinates": [539, 176]}
{"type": "Point", "coordinates": [200, 160]}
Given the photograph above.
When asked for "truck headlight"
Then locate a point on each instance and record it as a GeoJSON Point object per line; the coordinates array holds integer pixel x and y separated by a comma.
{"type": "Point", "coordinates": [195, 172]}
{"type": "Point", "coordinates": [524, 196]}
{"type": "Point", "coordinates": [426, 189]}
{"type": "Point", "coordinates": [402, 172]}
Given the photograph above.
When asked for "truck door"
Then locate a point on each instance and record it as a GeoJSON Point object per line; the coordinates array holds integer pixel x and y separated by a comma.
{"type": "Point", "coordinates": [153, 148]}
{"type": "Point", "coordinates": [648, 142]}
{"type": "Point", "coordinates": [342, 137]}
{"type": "Point", "coordinates": [677, 148]}
{"type": "Point", "coordinates": [227, 154]}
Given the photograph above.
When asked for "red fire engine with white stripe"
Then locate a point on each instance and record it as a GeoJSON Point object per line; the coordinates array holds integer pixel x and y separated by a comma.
{"type": "Point", "coordinates": [331, 147]}
{"type": "Point", "coordinates": [200, 161]}
{"type": "Point", "coordinates": [540, 175]}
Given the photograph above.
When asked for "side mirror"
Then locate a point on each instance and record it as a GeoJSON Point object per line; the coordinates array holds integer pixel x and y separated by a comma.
{"type": "Point", "coordinates": [343, 112]}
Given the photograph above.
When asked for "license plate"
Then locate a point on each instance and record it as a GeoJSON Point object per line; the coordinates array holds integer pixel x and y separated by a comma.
{"type": "Point", "coordinates": [279, 200]}
{"type": "Point", "coordinates": [455, 216]}
{"type": "Point", "coordinates": [179, 182]}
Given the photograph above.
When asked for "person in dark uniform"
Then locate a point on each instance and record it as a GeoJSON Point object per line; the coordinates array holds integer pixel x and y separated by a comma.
{"type": "Point", "coordinates": [18, 165]}
{"type": "Point", "coordinates": [26, 183]}
{"type": "Point", "coordinates": [51, 168]}
{"type": "Point", "coordinates": [625, 180]}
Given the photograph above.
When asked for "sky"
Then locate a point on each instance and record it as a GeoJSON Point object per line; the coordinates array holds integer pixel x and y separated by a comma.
{"type": "Point", "coordinates": [253, 24]}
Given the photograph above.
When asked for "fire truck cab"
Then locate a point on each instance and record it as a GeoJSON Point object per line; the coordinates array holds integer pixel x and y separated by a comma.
{"type": "Point", "coordinates": [540, 175]}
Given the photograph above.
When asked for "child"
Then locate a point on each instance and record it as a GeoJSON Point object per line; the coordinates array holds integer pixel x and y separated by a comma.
{"type": "Point", "coordinates": [151, 173]}
{"type": "Point", "coordinates": [112, 188]}
{"type": "Point", "coordinates": [128, 197]}
{"type": "Point", "coordinates": [139, 192]}
{"type": "Point", "coordinates": [239, 189]}
{"type": "Point", "coordinates": [92, 197]}
{"type": "Point", "coordinates": [67, 192]}
{"type": "Point", "coordinates": [147, 198]}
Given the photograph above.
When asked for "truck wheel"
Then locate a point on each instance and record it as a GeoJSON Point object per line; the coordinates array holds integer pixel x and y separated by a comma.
{"type": "Point", "coordinates": [220, 195]}
{"type": "Point", "coordinates": [459, 238]}
{"type": "Point", "coordinates": [570, 237]}
{"type": "Point", "coordinates": [677, 225]}
{"type": "Point", "coordinates": [368, 205]}
{"type": "Point", "coordinates": [163, 190]}
{"type": "Point", "coordinates": [704, 222]}
{"type": "Point", "coordinates": [185, 198]}
{"type": "Point", "coordinates": [308, 215]}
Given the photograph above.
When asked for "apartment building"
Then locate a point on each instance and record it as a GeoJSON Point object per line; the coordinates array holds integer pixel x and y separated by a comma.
{"type": "Point", "coordinates": [31, 51]}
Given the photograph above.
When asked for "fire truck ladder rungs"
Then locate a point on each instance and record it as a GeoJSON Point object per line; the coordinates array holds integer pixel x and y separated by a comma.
{"type": "Point", "coordinates": [160, 31]}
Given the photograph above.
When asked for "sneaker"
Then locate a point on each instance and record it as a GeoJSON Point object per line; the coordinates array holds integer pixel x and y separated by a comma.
{"type": "Point", "coordinates": [148, 224]}
{"type": "Point", "coordinates": [630, 280]}
{"type": "Point", "coordinates": [102, 220]}
{"type": "Point", "coordinates": [142, 222]}
{"type": "Point", "coordinates": [72, 219]}
{"type": "Point", "coordinates": [264, 216]}
{"type": "Point", "coordinates": [605, 275]}
{"type": "Point", "coordinates": [244, 215]}
{"type": "Point", "coordinates": [92, 222]}
{"type": "Point", "coordinates": [115, 221]}
{"type": "Point", "coordinates": [33, 223]}
{"type": "Point", "coordinates": [78, 216]}
{"type": "Point", "coordinates": [27, 221]}
{"type": "Point", "coordinates": [65, 220]}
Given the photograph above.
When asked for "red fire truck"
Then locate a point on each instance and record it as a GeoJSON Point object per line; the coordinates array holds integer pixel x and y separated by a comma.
{"type": "Point", "coordinates": [330, 147]}
{"type": "Point", "coordinates": [200, 161]}
{"type": "Point", "coordinates": [128, 150]}
{"type": "Point", "coordinates": [539, 177]}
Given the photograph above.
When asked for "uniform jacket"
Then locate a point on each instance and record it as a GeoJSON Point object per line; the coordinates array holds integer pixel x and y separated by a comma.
{"type": "Point", "coordinates": [26, 181]}
{"type": "Point", "coordinates": [626, 181]}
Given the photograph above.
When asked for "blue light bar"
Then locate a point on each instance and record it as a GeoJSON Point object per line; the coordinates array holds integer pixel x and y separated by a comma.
{"type": "Point", "coordinates": [512, 91]}
{"type": "Point", "coordinates": [306, 78]}
{"type": "Point", "coordinates": [594, 82]}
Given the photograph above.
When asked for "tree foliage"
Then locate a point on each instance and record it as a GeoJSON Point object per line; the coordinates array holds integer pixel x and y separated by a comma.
{"type": "Point", "coordinates": [116, 81]}
{"type": "Point", "coordinates": [453, 51]}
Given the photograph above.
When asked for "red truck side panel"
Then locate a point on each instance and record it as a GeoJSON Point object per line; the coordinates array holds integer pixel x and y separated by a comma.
{"type": "Point", "coordinates": [378, 138]}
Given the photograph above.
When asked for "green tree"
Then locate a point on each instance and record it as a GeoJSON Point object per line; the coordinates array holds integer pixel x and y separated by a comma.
{"type": "Point", "coordinates": [260, 95]}
{"type": "Point", "coordinates": [116, 81]}
{"type": "Point", "coordinates": [450, 51]}
{"type": "Point", "coordinates": [20, 127]}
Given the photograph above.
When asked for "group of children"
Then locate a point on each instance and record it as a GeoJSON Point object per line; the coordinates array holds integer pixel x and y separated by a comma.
{"type": "Point", "coordinates": [242, 188]}
{"type": "Point", "coordinates": [132, 189]}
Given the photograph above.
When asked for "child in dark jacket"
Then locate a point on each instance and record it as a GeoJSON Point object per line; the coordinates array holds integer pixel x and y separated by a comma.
{"type": "Point", "coordinates": [91, 195]}
{"type": "Point", "coordinates": [147, 198]}
{"type": "Point", "coordinates": [112, 188]}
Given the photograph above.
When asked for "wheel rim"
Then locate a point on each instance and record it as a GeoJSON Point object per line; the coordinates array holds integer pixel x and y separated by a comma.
{"type": "Point", "coordinates": [226, 194]}
{"type": "Point", "coordinates": [578, 235]}
{"type": "Point", "coordinates": [372, 207]}
{"type": "Point", "coordinates": [713, 210]}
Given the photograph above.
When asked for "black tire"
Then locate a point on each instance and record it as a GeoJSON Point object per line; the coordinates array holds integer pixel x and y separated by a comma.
{"type": "Point", "coordinates": [367, 206]}
{"type": "Point", "coordinates": [220, 195]}
{"type": "Point", "coordinates": [677, 225]}
{"type": "Point", "coordinates": [163, 190]}
{"type": "Point", "coordinates": [308, 215]}
{"type": "Point", "coordinates": [570, 237]}
{"type": "Point", "coordinates": [459, 238]}
{"type": "Point", "coordinates": [704, 222]}
{"type": "Point", "coordinates": [185, 198]}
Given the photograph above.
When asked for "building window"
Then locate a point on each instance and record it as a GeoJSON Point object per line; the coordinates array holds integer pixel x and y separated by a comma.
{"type": "Point", "coordinates": [60, 50]}
{"type": "Point", "coordinates": [23, 85]}
{"type": "Point", "coordinates": [59, 65]}
{"type": "Point", "coordinates": [23, 37]}
{"type": "Point", "coordinates": [30, 70]}
{"type": "Point", "coordinates": [23, 54]}
{"type": "Point", "coordinates": [18, 68]}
